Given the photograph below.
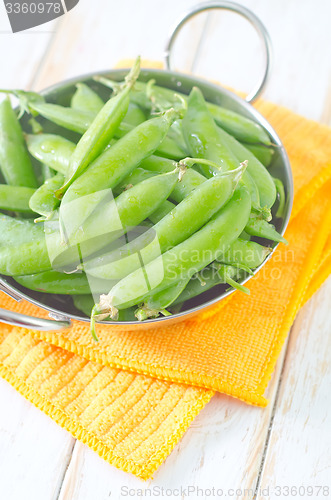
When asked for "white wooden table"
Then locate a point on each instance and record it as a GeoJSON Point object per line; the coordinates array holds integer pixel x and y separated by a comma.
{"type": "Point", "coordinates": [231, 450]}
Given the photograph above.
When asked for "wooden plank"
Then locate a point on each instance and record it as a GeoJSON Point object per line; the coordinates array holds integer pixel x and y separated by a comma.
{"type": "Point", "coordinates": [34, 450]}
{"type": "Point", "coordinates": [299, 447]}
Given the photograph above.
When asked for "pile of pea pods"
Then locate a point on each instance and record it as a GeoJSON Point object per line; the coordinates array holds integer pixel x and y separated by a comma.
{"type": "Point", "coordinates": [143, 203]}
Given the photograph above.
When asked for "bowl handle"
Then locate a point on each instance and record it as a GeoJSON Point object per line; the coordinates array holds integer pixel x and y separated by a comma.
{"type": "Point", "coordinates": [17, 319]}
{"type": "Point", "coordinates": [247, 14]}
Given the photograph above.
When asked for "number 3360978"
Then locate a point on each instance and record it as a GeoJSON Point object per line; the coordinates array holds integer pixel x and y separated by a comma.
{"type": "Point", "coordinates": [33, 8]}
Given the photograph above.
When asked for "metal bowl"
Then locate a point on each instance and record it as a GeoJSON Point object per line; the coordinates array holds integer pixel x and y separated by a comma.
{"type": "Point", "coordinates": [61, 307]}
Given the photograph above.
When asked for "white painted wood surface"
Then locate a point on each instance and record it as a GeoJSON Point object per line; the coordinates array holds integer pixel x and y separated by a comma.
{"type": "Point", "coordinates": [230, 446]}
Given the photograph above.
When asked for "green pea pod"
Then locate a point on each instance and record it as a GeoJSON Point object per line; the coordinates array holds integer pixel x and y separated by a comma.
{"type": "Point", "coordinates": [134, 177]}
{"type": "Point", "coordinates": [44, 201]}
{"type": "Point", "coordinates": [202, 136]}
{"type": "Point", "coordinates": [61, 283]}
{"type": "Point", "coordinates": [15, 198]}
{"type": "Point", "coordinates": [52, 150]}
{"type": "Point", "coordinates": [69, 118]}
{"type": "Point", "coordinates": [84, 303]}
{"type": "Point", "coordinates": [110, 168]}
{"type": "Point", "coordinates": [263, 229]}
{"type": "Point", "coordinates": [167, 148]}
{"type": "Point", "coordinates": [263, 153]}
{"type": "Point", "coordinates": [15, 231]}
{"type": "Point", "coordinates": [100, 132]}
{"type": "Point", "coordinates": [25, 258]}
{"type": "Point", "coordinates": [139, 175]}
{"type": "Point", "coordinates": [190, 181]}
{"type": "Point", "coordinates": [237, 125]}
{"type": "Point", "coordinates": [109, 221]}
{"type": "Point", "coordinates": [183, 260]}
{"type": "Point", "coordinates": [207, 279]}
{"type": "Point", "coordinates": [47, 172]}
{"type": "Point", "coordinates": [15, 163]}
{"type": "Point", "coordinates": [281, 197]}
{"type": "Point", "coordinates": [245, 236]}
{"type": "Point", "coordinates": [245, 252]}
{"type": "Point", "coordinates": [257, 171]}
{"type": "Point", "coordinates": [157, 303]}
{"type": "Point", "coordinates": [134, 115]}
{"type": "Point", "coordinates": [164, 209]}
{"type": "Point", "coordinates": [86, 99]}
{"type": "Point", "coordinates": [175, 227]}
{"type": "Point", "coordinates": [79, 121]}
{"type": "Point", "coordinates": [203, 141]}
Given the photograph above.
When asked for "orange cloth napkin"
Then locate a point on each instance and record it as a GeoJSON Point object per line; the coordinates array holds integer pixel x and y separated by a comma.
{"type": "Point", "coordinates": [132, 396]}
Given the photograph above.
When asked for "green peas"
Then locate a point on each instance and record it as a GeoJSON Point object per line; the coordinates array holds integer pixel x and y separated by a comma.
{"type": "Point", "coordinates": [246, 253]}
{"type": "Point", "coordinates": [106, 224]}
{"type": "Point", "coordinates": [101, 130]}
{"type": "Point", "coordinates": [207, 279]}
{"type": "Point", "coordinates": [15, 198]}
{"type": "Point", "coordinates": [15, 231]}
{"type": "Point", "coordinates": [281, 197]}
{"type": "Point", "coordinates": [261, 228]}
{"type": "Point", "coordinates": [15, 163]}
{"type": "Point", "coordinates": [240, 127]}
{"type": "Point", "coordinates": [203, 141]}
{"type": "Point", "coordinates": [52, 150]}
{"type": "Point", "coordinates": [43, 201]}
{"type": "Point", "coordinates": [199, 241]}
{"type": "Point", "coordinates": [263, 153]}
{"type": "Point", "coordinates": [86, 99]}
{"type": "Point", "coordinates": [185, 259]}
{"type": "Point", "coordinates": [184, 290]}
{"type": "Point", "coordinates": [167, 148]}
{"type": "Point", "coordinates": [134, 115]}
{"type": "Point", "coordinates": [258, 172]}
{"type": "Point", "coordinates": [111, 167]}
{"type": "Point", "coordinates": [175, 227]}
{"type": "Point", "coordinates": [73, 119]}
{"type": "Point", "coordinates": [191, 180]}
{"type": "Point", "coordinates": [61, 283]}
{"type": "Point", "coordinates": [157, 303]}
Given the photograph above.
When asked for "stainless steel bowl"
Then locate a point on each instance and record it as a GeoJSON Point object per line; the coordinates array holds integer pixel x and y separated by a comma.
{"type": "Point", "coordinates": [60, 307]}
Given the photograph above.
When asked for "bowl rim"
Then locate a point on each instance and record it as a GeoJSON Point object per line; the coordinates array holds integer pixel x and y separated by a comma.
{"type": "Point", "coordinates": [217, 89]}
